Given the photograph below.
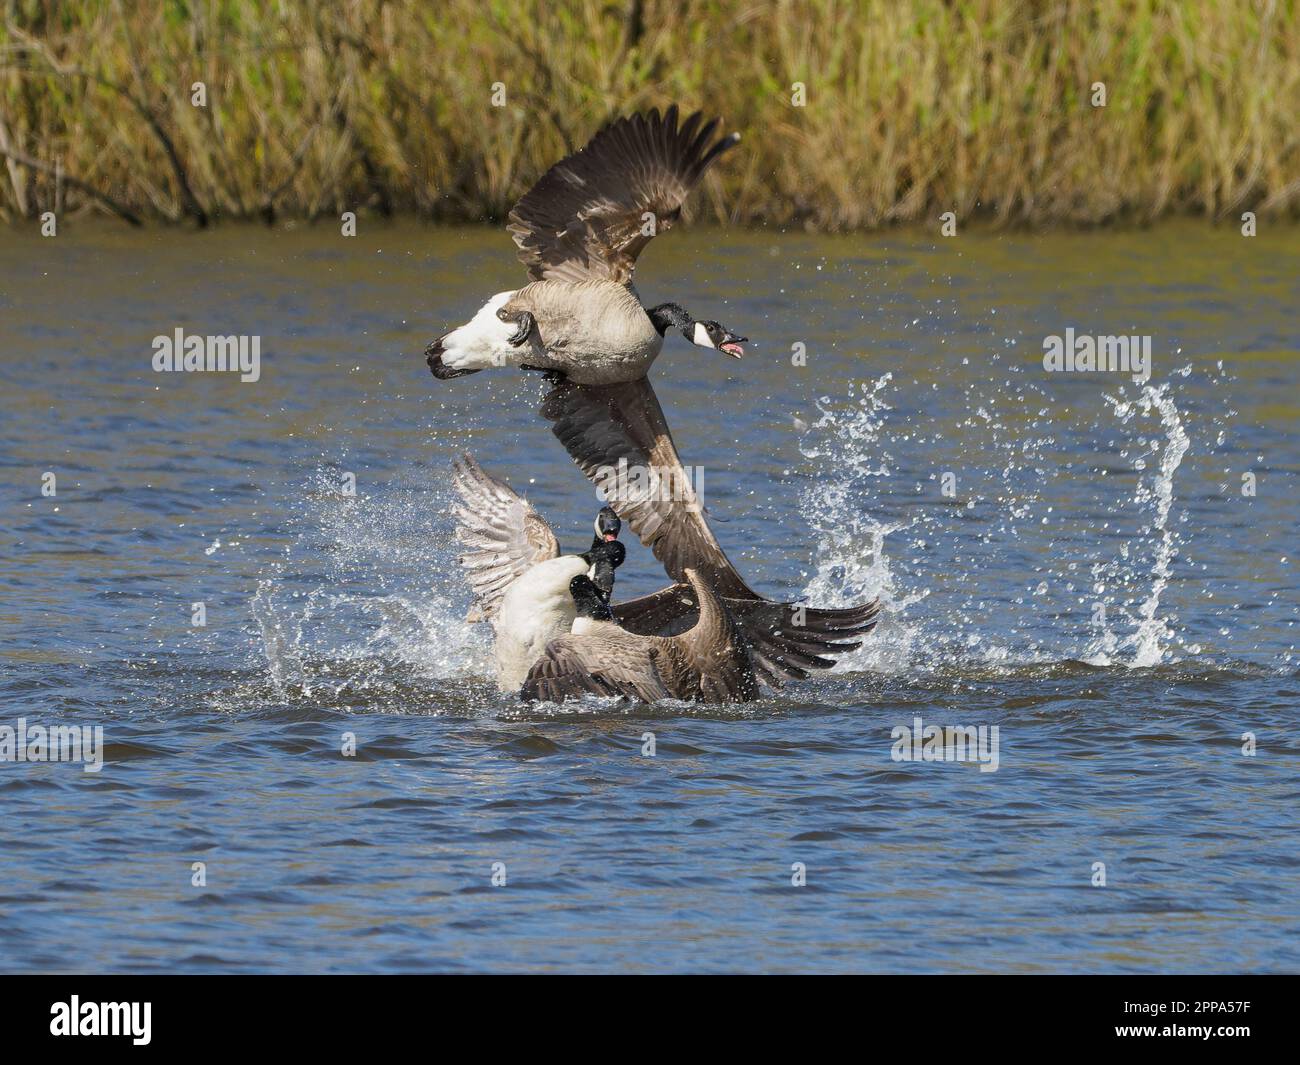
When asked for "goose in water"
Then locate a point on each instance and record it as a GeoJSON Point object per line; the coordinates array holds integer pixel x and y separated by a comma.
{"type": "Point", "coordinates": [579, 232]}
{"type": "Point", "coordinates": [708, 663]}
{"type": "Point", "coordinates": [519, 578]}
{"type": "Point", "coordinates": [511, 538]}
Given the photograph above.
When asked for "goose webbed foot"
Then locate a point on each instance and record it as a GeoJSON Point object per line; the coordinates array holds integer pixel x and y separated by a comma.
{"type": "Point", "coordinates": [523, 326]}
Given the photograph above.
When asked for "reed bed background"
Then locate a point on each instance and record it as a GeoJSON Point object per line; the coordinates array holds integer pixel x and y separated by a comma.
{"type": "Point", "coordinates": [913, 107]}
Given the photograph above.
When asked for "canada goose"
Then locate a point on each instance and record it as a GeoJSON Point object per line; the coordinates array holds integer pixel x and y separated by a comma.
{"type": "Point", "coordinates": [579, 231]}
{"type": "Point", "coordinates": [608, 525]}
{"type": "Point", "coordinates": [511, 538]}
{"type": "Point", "coordinates": [708, 663]}
{"type": "Point", "coordinates": [516, 572]}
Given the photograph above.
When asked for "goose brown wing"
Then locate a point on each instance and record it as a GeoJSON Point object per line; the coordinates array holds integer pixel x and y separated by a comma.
{"type": "Point", "coordinates": [663, 613]}
{"type": "Point", "coordinates": [611, 664]}
{"type": "Point", "coordinates": [602, 426]}
{"type": "Point", "coordinates": [506, 537]}
{"type": "Point", "coordinates": [585, 217]}
{"type": "Point", "coordinates": [786, 640]}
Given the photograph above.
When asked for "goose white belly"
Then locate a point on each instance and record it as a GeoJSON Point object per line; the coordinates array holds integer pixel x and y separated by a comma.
{"type": "Point", "coordinates": [594, 627]}
{"type": "Point", "coordinates": [535, 609]}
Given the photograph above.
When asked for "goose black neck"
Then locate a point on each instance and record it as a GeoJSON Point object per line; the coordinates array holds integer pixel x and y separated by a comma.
{"type": "Point", "coordinates": [588, 601]}
{"type": "Point", "coordinates": [604, 558]}
{"type": "Point", "coordinates": [602, 576]}
{"type": "Point", "coordinates": [667, 315]}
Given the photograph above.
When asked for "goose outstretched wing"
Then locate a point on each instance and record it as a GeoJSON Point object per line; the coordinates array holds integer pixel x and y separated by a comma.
{"type": "Point", "coordinates": [506, 537]}
{"type": "Point", "coordinates": [786, 640]}
{"type": "Point", "coordinates": [602, 426]}
{"type": "Point", "coordinates": [590, 215]}
{"type": "Point", "coordinates": [618, 436]}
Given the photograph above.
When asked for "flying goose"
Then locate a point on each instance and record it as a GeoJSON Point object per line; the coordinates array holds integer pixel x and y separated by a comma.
{"type": "Point", "coordinates": [511, 538]}
{"type": "Point", "coordinates": [519, 578]}
{"type": "Point", "coordinates": [579, 231]}
{"type": "Point", "coordinates": [709, 663]}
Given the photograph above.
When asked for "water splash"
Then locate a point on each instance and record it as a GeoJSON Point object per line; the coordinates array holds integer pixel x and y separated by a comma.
{"type": "Point", "coordinates": [367, 589]}
{"type": "Point", "coordinates": [1152, 632]}
{"type": "Point", "coordinates": [281, 650]}
{"type": "Point", "coordinates": [851, 564]}
{"type": "Point", "coordinates": [1022, 493]}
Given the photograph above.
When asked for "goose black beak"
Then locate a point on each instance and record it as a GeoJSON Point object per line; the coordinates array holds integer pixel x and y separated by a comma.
{"type": "Point", "coordinates": [731, 344]}
{"type": "Point", "coordinates": [433, 356]}
{"type": "Point", "coordinates": [608, 525]}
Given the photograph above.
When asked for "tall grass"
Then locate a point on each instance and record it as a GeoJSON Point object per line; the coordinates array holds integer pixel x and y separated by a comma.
{"type": "Point", "coordinates": [913, 107]}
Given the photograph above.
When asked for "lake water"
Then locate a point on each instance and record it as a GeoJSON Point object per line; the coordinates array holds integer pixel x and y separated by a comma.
{"type": "Point", "coordinates": [1071, 557]}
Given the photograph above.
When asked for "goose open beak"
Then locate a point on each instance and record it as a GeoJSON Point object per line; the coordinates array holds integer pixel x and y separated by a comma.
{"type": "Point", "coordinates": [731, 344]}
{"type": "Point", "coordinates": [608, 525]}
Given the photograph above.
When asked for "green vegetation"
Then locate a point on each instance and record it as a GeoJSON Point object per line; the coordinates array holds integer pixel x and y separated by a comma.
{"type": "Point", "coordinates": [913, 107]}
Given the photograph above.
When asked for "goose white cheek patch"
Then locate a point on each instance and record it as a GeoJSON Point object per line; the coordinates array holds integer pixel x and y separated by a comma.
{"type": "Point", "coordinates": [702, 337]}
{"type": "Point", "coordinates": [482, 342]}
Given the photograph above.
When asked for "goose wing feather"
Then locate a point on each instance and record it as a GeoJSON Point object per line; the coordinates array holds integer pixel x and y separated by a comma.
{"type": "Point", "coordinates": [782, 643]}
{"type": "Point", "coordinates": [713, 656]}
{"type": "Point", "coordinates": [601, 425]}
{"type": "Point", "coordinates": [611, 663]}
{"type": "Point", "coordinates": [585, 217]}
{"type": "Point", "coordinates": [708, 663]}
{"type": "Point", "coordinates": [504, 534]}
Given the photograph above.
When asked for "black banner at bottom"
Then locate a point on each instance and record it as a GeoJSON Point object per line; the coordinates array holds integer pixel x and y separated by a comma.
{"type": "Point", "coordinates": [139, 1014]}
